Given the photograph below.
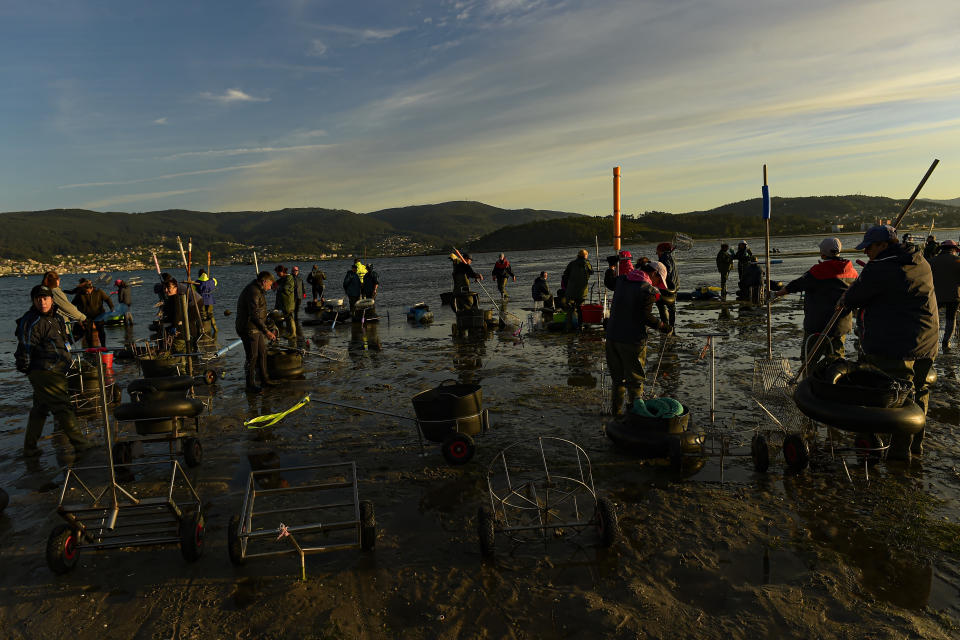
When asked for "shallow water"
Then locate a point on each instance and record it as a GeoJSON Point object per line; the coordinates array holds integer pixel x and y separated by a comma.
{"type": "Point", "coordinates": [547, 384]}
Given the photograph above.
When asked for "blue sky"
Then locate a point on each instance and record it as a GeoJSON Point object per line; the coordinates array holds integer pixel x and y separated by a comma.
{"type": "Point", "coordinates": [258, 105]}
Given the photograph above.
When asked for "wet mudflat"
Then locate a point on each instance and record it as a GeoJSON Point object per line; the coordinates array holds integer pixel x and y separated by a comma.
{"type": "Point", "coordinates": [713, 550]}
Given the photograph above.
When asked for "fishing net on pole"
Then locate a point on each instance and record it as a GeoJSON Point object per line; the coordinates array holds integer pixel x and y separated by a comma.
{"type": "Point", "coordinates": [682, 242]}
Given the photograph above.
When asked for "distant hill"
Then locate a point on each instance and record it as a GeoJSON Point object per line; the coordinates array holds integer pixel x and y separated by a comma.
{"type": "Point", "coordinates": [953, 202]}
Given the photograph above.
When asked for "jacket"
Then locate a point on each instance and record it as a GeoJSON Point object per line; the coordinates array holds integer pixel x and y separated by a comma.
{"type": "Point", "coordinates": [743, 255]}
{"type": "Point", "coordinates": [462, 273]}
{"type": "Point", "coordinates": [946, 277]}
{"type": "Point", "coordinates": [724, 261]}
{"type": "Point", "coordinates": [65, 308]}
{"type": "Point", "coordinates": [205, 289]}
{"type": "Point", "coordinates": [898, 308]}
{"type": "Point", "coordinates": [352, 285]}
{"type": "Point", "coordinates": [125, 294]}
{"type": "Point", "coordinates": [286, 289]}
{"type": "Point", "coordinates": [297, 288]}
{"type": "Point", "coordinates": [361, 270]}
{"type": "Point", "coordinates": [251, 310]}
{"type": "Point", "coordinates": [502, 270]}
{"type": "Point", "coordinates": [173, 315]}
{"type": "Point", "coordinates": [540, 290]}
{"type": "Point", "coordinates": [752, 276]}
{"type": "Point", "coordinates": [577, 279]}
{"type": "Point", "coordinates": [931, 249]}
{"type": "Point", "coordinates": [42, 342]}
{"type": "Point", "coordinates": [370, 283]}
{"type": "Point", "coordinates": [610, 278]}
{"type": "Point", "coordinates": [825, 283]}
{"type": "Point", "coordinates": [673, 274]}
{"type": "Point", "coordinates": [631, 311]}
{"type": "Point", "coordinates": [316, 278]}
{"type": "Point", "coordinates": [91, 304]}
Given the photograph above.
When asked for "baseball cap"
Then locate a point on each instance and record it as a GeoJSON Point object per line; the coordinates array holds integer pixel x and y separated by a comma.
{"type": "Point", "coordinates": [950, 244]}
{"type": "Point", "coordinates": [40, 291]}
{"type": "Point", "coordinates": [830, 247]}
{"type": "Point", "coordinates": [878, 233]}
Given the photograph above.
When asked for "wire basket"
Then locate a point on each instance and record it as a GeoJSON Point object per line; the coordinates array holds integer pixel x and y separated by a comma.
{"type": "Point", "coordinates": [772, 390]}
{"type": "Point", "coordinates": [682, 242]}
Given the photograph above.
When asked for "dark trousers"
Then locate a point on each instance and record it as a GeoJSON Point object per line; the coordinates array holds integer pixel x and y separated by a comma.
{"type": "Point", "coordinates": [573, 307]}
{"type": "Point", "coordinates": [502, 285]}
{"type": "Point", "coordinates": [723, 282]}
{"type": "Point", "coordinates": [255, 348]}
{"type": "Point", "coordinates": [317, 293]}
{"type": "Point", "coordinates": [950, 309]}
{"type": "Point", "coordinates": [206, 313]}
{"type": "Point", "coordinates": [914, 371]}
{"type": "Point", "coordinates": [626, 361]}
{"type": "Point", "coordinates": [50, 395]}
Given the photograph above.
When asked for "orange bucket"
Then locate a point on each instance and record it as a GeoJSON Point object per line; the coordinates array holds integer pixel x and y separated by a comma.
{"type": "Point", "coordinates": [107, 357]}
{"type": "Point", "coordinates": [592, 313]}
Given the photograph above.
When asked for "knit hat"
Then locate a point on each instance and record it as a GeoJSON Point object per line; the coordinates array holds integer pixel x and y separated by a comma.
{"type": "Point", "coordinates": [830, 247]}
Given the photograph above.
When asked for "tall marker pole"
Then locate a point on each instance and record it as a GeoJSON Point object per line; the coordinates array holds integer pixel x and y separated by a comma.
{"type": "Point", "coordinates": [616, 209]}
{"type": "Point", "coordinates": [766, 218]}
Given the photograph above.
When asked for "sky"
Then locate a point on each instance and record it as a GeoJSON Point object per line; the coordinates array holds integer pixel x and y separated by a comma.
{"type": "Point", "coordinates": [229, 105]}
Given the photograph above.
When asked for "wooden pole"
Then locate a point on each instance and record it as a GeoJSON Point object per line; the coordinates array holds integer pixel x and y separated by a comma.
{"type": "Point", "coordinates": [616, 209]}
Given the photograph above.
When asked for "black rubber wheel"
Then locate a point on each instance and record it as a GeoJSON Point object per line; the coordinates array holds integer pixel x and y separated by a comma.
{"type": "Point", "coordinates": [795, 453]}
{"type": "Point", "coordinates": [122, 453]}
{"type": "Point", "coordinates": [760, 453]}
{"type": "Point", "coordinates": [191, 536]}
{"type": "Point", "coordinates": [368, 526]}
{"type": "Point", "coordinates": [192, 452]}
{"type": "Point", "coordinates": [62, 550]}
{"type": "Point", "coordinates": [209, 376]}
{"type": "Point", "coordinates": [607, 525]}
{"type": "Point", "coordinates": [486, 532]}
{"type": "Point", "coordinates": [234, 549]}
{"type": "Point", "coordinates": [863, 444]}
{"type": "Point", "coordinates": [457, 448]}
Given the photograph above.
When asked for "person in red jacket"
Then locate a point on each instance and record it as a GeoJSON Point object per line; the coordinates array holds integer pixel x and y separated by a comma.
{"type": "Point", "coordinates": [501, 271]}
{"type": "Point", "coordinates": [824, 283]}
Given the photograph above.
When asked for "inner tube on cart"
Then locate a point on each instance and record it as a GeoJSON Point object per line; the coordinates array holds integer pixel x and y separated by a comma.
{"type": "Point", "coordinates": [164, 407]}
{"type": "Point", "coordinates": [844, 381]}
{"type": "Point", "coordinates": [651, 443]}
{"type": "Point", "coordinates": [906, 419]}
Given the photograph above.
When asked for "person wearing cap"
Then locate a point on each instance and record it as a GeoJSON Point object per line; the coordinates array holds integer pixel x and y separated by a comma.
{"type": "Point", "coordinates": [667, 304]}
{"type": "Point", "coordinates": [206, 286]}
{"type": "Point", "coordinates": [66, 309]}
{"type": "Point", "coordinates": [631, 313]}
{"type": "Point", "coordinates": [724, 266]}
{"type": "Point", "coordinates": [931, 248]}
{"type": "Point", "coordinates": [251, 326]}
{"type": "Point", "coordinates": [316, 279]}
{"type": "Point", "coordinates": [900, 324]}
{"type": "Point", "coordinates": [825, 282]}
{"type": "Point", "coordinates": [541, 291]}
{"type": "Point", "coordinates": [462, 273]}
{"type": "Point", "coordinates": [501, 271]}
{"type": "Point", "coordinates": [575, 283]}
{"type": "Point", "coordinates": [90, 301]}
{"type": "Point", "coordinates": [125, 298]}
{"type": "Point", "coordinates": [43, 354]}
{"type": "Point", "coordinates": [371, 283]}
{"type": "Point", "coordinates": [946, 284]}
{"type": "Point", "coordinates": [742, 256]}
{"type": "Point", "coordinates": [286, 300]}
{"type": "Point", "coordinates": [361, 270]}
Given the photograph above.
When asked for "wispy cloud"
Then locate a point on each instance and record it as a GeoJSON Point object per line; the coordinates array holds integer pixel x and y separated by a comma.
{"type": "Point", "coordinates": [136, 197]}
{"type": "Point", "coordinates": [361, 35]}
{"type": "Point", "coordinates": [246, 150]}
{"type": "Point", "coordinates": [168, 176]}
{"type": "Point", "coordinates": [317, 48]}
{"type": "Point", "coordinates": [231, 96]}
{"type": "Point", "coordinates": [160, 121]}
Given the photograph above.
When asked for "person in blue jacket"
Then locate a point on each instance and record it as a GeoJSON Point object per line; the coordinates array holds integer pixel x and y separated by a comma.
{"type": "Point", "coordinates": [205, 287]}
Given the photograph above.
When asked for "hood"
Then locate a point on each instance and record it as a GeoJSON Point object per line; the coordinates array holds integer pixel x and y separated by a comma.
{"type": "Point", "coordinates": [203, 278]}
{"type": "Point", "coordinates": [833, 268]}
{"type": "Point", "coordinates": [636, 275]}
{"type": "Point", "coordinates": [901, 254]}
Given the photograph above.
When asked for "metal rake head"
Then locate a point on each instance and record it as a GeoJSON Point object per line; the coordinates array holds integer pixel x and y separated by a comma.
{"type": "Point", "coordinates": [338, 354]}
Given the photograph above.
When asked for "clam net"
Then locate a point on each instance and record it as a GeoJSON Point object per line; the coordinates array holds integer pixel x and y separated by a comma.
{"type": "Point", "coordinates": [682, 242]}
{"type": "Point", "coordinates": [772, 390]}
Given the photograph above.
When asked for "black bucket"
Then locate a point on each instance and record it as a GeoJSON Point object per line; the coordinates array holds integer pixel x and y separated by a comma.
{"type": "Point", "coordinates": [449, 407]}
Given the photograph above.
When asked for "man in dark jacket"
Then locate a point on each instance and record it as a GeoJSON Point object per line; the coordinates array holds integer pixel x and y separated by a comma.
{"type": "Point", "coordinates": [316, 281]}
{"type": "Point", "coordinates": [298, 293]}
{"type": "Point", "coordinates": [575, 283]}
{"type": "Point", "coordinates": [631, 312]}
{"type": "Point", "coordinates": [932, 248]}
{"type": "Point", "coordinates": [285, 300]}
{"type": "Point", "coordinates": [251, 325]}
{"type": "Point", "coordinates": [541, 291]}
{"type": "Point", "coordinates": [44, 356]}
{"type": "Point", "coordinates": [502, 271]}
{"type": "Point", "coordinates": [901, 324]}
{"type": "Point", "coordinates": [946, 284]}
{"type": "Point", "coordinates": [751, 282]}
{"type": "Point", "coordinates": [724, 265]}
{"type": "Point", "coordinates": [125, 297]}
{"type": "Point", "coordinates": [176, 316]}
{"type": "Point", "coordinates": [742, 256]}
{"type": "Point", "coordinates": [90, 300]}
{"type": "Point", "coordinates": [371, 283]}
{"type": "Point", "coordinates": [824, 283]}
{"type": "Point", "coordinates": [352, 286]}
{"type": "Point", "coordinates": [667, 304]}
{"type": "Point", "coordinates": [206, 287]}
{"type": "Point", "coordinates": [462, 273]}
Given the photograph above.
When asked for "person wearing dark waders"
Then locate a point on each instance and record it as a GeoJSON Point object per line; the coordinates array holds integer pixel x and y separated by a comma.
{"type": "Point", "coordinates": [251, 325]}
{"type": "Point", "coordinates": [463, 298]}
{"type": "Point", "coordinates": [541, 291]}
{"type": "Point", "coordinates": [298, 294]}
{"type": "Point", "coordinates": [502, 271]}
{"type": "Point", "coordinates": [90, 300]}
{"type": "Point", "coordinates": [285, 300]}
{"type": "Point", "coordinates": [316, 280]}
{"type": "Point", "coordinates": [931, 249]}
{"type": "Point", "coordinates": [43, 354]}
{"type": "Point", "coordinates": [576, 282]}
{"type": "Point", "coordinates": [900, 325]}
{"type": "Point", "coordinates": [824, 284]}
{"type": "Point", "coordinates": [352, 286]}
{"type": "Point", "coordinates": [125, 297]}
{"type": "Point", "coordinates": [751, 282]}
{"type": "Point", "coordinates": [206, 287]}
{"type": "Point", "coordinates": [631, 313]}
{"type": "Point", "coordinates": [743, 257]}
{"type": "Point", "coordinates": [946, 284]}
{"type": "Point", "coordinates": [667, 304]}
{"type": "Point", "coordinates": [724, 266]}
{"type": "Point", "coordinates": [370, 286]}
{"type": "Point", "coordinates": [175, 316]}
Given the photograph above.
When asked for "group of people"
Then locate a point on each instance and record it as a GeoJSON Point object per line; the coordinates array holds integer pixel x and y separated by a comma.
{"type": "Point", "coordinates": [750, 285]}
{"type": "Point", "coordinates": [361, 281]}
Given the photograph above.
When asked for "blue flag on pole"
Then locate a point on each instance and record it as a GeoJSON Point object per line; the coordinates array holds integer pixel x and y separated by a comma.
{"type": "Point", "coordinates": [765, 190]}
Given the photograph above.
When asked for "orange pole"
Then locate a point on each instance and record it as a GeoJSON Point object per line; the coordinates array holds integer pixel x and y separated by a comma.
{"type": "Point", "coordinates": [616, 208]}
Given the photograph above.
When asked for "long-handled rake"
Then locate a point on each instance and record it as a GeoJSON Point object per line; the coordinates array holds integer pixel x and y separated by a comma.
{"type": "Point", "coordinates": [515, 319]}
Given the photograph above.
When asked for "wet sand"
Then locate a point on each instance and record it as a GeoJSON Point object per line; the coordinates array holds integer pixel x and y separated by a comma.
{"type": "Point", "coordinates": [706, 551]}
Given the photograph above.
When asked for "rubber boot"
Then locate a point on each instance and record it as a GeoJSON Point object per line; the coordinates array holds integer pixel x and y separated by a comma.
{"type": "Point", "coordinates": [252, 386]}
{"type": "Point", "coordinates": [916, 447]}
{"type": "Point", "coordinates": [616, 400]}
{"type": "Point", "coordinates": [899, 448]}
{"type": "Point", "coordinates": [632, 394]}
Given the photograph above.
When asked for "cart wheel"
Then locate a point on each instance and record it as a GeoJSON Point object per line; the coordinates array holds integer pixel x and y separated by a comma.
{"type": "Point", "coordinates": [192, 452]}
{"type": "Point", "coordinates": [486, 532]}
{"type": "Point", "coordinates": [863, 443]}
{"type": "Point", "coordinates": [458, 448]}
{"type": "Point", "coordinates": [234, 548]}
{"type": "Point", "coordinates": [675, 452]}
{"type": "Point", "coordinates": [62, 549]}
{"type": "Point", "coordinates": [122, 453]}
{"type": "Point", "coordinates": [607, 525]}
{"type": "Point", "coordinates": [760, 453]}
{"type": "Point", "coordinates": [368, 526]}
{"type": "Point", "coordinates": [191, 536]}
{"type": "Point", "coordinates": [209, 376]}
{"type": "Point", "coordinates": [795, 453]}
